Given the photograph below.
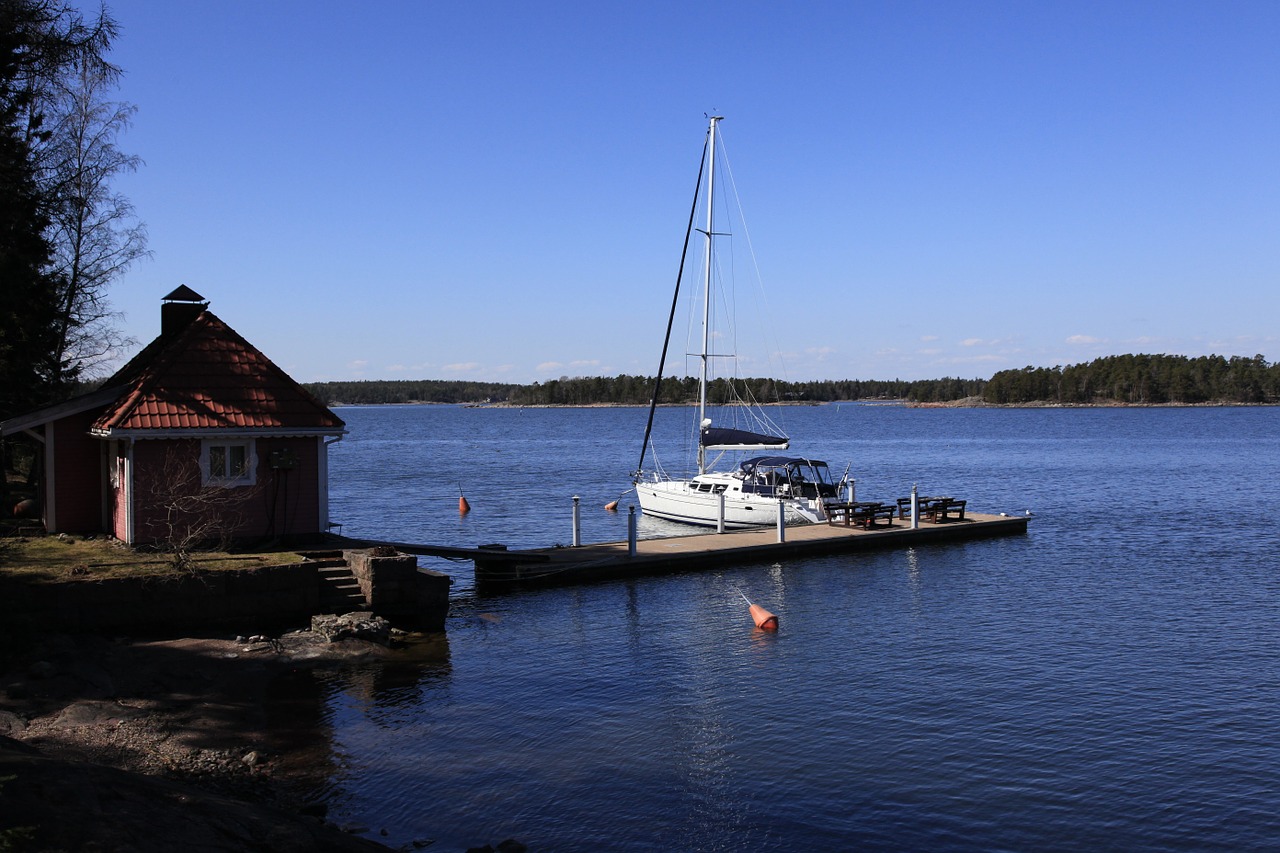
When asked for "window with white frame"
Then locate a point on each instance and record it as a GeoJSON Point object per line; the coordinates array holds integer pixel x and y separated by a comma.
{"type": "Point", "coordinates": [227, 462]}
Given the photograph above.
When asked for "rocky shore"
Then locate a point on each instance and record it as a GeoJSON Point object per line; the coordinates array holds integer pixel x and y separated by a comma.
{"type": "Point", "coordinates": [113, 744]}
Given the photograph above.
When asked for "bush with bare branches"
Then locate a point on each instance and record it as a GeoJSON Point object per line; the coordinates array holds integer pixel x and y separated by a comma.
{"type": "Point", "coordinates": [191, 515]}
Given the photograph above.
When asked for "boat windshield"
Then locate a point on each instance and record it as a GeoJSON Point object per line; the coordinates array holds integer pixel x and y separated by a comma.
{"type": "Point", "coordinates": [787, 476]}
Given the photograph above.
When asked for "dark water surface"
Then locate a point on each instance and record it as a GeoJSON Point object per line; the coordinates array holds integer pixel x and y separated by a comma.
{"type": "Point", "coordinates": [1109, 681]}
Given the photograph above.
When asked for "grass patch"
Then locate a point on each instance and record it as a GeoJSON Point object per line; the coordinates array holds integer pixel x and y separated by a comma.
{"type": "Point", "coordinates": [54, 559]}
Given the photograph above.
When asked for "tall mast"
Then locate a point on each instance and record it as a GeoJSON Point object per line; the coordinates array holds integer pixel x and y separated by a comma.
{"type": "Point", "coordinates": [706, 294]}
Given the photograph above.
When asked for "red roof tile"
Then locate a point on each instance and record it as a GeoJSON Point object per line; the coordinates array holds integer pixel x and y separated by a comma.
{"type": "Point", "coordinates": [208, 377]}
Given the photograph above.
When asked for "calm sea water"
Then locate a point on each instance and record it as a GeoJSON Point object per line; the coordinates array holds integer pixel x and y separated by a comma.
{"type": "Point", "coordinates": [1110, 681]}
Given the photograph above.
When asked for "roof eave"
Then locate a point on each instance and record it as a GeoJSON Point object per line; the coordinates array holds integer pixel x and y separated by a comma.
{"type": "Point", "coordinates": [74, 406]}
{"type": "Point", "coordinates": [219, 432]}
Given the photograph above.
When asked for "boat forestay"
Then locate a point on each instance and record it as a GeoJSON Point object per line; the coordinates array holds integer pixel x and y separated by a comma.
{"type": "Point", "coordinates": [759, 488]}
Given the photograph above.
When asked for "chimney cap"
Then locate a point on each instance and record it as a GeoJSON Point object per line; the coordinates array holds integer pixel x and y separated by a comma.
{"type": "Point", "coordinates": [184, 294]}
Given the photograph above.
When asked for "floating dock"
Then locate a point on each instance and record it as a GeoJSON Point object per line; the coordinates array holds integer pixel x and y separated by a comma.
{"type": "Point", "coordinates": [495, 566]}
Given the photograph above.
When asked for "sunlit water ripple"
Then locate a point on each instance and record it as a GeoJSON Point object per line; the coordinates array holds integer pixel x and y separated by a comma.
{"type": "Point", "coordinates": [1108, 681]}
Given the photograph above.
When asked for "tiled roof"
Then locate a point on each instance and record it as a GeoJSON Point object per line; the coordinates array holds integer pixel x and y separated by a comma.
{"type": "Point", "coordinates": [208, 377]}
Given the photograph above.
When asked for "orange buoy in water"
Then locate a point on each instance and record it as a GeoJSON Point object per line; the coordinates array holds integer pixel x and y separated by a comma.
{"type": "Point", "coordinates": [463, 506]}
{"type": "Point", "coordinates": [611, 506]}
{"type": "Point", "coordinates": [764, 620]}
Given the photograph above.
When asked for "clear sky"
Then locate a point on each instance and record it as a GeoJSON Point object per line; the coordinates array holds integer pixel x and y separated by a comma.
{"type": "Point", "coordinates": [498, 190]}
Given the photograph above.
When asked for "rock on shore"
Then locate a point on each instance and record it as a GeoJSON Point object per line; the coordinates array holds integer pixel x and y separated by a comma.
{"type": "Point", "coordinates": [65, 805]}
{"type": "Point", "coordinates": [158, 746]}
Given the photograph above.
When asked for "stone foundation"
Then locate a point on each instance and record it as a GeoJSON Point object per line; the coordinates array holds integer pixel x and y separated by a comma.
{"type": "Point", "coordinates": [396, 588]}
{"type": "Point", "coordinates": [251, 598]}
{"type": "Point", "coordinates": [254, 599]}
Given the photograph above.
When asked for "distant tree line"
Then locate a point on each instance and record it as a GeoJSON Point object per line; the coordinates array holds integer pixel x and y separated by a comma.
{"type": "Point", "coordinates": [624, 390]}
{"type": "Point", "coordinates": [377, 392]}
{"type": "Point", "coordinates": [1132, 379]}
{"type": "Point", "coordinates": [1141, 379]}
{"type": "Point", "coordinates": [638, 390]}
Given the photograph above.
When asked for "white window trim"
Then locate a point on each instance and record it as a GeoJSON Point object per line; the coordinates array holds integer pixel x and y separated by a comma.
{"type": "Point", "coordinates": [250, 477]}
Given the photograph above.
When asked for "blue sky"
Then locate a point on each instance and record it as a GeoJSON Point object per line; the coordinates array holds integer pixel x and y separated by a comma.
{"type": "Point", "coordinates": [498, 190]}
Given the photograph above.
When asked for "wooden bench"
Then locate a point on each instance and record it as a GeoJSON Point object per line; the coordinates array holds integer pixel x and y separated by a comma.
{"type": "Point", "coordinates": [863, 513]}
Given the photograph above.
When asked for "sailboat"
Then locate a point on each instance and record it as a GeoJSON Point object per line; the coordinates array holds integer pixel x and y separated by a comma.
{"type": "Point", "coordinates": [760, 487]}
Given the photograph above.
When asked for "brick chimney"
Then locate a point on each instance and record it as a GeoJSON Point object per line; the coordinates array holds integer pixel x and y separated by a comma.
{"type": "Point", "coordinates": [178, 309]}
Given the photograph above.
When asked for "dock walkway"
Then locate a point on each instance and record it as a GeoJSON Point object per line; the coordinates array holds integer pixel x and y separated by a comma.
{"type": "Point", "coordinates": [495, 566]}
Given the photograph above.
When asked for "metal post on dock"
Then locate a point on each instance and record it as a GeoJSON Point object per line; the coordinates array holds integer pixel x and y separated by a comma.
{"type": "Point", "coordinates": [782, 521]}
{"type": "Point", "coordinates": [720, 514]}
{"type": "Point", "coordinates": [915, 509]}
{"type": "Point", "coordinates": [577, 521]}
{"type": "Point", "coordinates": [631, 532]}
{"type": "Point", "coordinates": [852, 489]}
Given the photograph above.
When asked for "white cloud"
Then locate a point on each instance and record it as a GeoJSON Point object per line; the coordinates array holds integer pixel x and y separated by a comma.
{"type": "Point", "coordinates": [1083, 339]}
{"type": "Point", "coordinates": [972, 342]}
{"type": "Point", "coordinates": [461, 367]}
{"type": "Point", "coordinates": [976, 359]}
{"type": "Point", "coordinates": [418, 371]}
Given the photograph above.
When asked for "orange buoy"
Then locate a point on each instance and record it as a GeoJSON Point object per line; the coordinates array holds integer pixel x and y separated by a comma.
{"type": "Point", "coordinates": [611, 506]}
{"type": "Point", "coordinates": [764, 620]}
{"type": "Point", "coordinates": [463, 506]}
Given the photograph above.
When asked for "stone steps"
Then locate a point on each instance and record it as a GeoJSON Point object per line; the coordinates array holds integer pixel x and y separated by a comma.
{"type": "Point", "coordinates": [339, 590]}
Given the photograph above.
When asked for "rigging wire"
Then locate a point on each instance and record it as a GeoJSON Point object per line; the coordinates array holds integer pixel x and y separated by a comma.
{"type": "Point", "coordinates": [657, 384]}
{"type": "Point", "coordinates": [740, 401]}
{"type": "Point", "coordinates": [762, 293]}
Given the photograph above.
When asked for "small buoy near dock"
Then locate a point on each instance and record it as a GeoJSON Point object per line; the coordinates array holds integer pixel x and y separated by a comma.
{"type": "Point", "coordinates": [463, 506]}
{"type": "Point", "coordinates": [763, 619]}
{"type": "Point", "coordinates": [611, 506]}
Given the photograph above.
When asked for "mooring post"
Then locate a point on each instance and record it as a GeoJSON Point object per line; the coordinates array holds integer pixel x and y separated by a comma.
{"type": "Point", "coordinates": [631, 532]}
{"type": "Point", "coordinates": [852, 489]}
{"type": "Point", "coordinates": [577, 521]}
{"type": "Point", "coordinates": [782, 521]}
{"type": "Point", "coordinates": [720, 514]}
{"type": "Point", "coordinates": [915, 509]}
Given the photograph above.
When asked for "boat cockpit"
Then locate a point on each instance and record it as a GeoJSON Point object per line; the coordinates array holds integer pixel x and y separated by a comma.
{"type": "Point", "coordinates": [786, 476]}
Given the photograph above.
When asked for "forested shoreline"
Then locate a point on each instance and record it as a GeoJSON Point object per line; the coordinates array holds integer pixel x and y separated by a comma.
{"type": "Point", "coordinates": [1112, 380]}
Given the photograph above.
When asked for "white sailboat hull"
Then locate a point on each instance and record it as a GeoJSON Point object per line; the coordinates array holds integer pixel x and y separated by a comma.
{"type": "Point", "coordinates": [683, 501]}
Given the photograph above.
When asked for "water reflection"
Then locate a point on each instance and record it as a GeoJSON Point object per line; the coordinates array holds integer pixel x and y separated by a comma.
{"type": "Point", "coordinates": [307, 710]}
{"type": "Point", "coordinates": [913, 581]}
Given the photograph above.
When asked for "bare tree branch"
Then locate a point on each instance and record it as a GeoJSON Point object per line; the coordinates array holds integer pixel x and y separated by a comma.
{"type": "Point", "coordinates": [193, 515]}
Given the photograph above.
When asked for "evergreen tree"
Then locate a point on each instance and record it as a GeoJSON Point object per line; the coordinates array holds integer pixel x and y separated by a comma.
{"type": "Point", "coordinates": [28, 293]}
{"type": "Point", "coordinates": [56, 154]}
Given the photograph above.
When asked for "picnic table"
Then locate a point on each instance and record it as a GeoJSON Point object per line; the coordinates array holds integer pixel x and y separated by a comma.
{"type": "Point", "coordinates": [864, 513]}
{"type": "Point", "coordinates": [936, 509]}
